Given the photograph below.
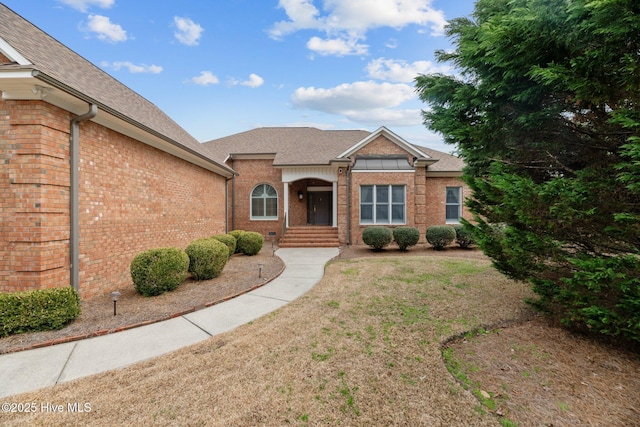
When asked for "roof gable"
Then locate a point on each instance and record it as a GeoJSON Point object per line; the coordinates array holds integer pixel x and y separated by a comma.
{"type": "Point", "coordinates": [383, 131]}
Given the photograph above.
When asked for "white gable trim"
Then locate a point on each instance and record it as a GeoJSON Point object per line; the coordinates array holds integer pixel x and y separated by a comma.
{"type": "Point", "coordinates": [382, 130]}
{"type": "Point", "coordinates": [8, 51]}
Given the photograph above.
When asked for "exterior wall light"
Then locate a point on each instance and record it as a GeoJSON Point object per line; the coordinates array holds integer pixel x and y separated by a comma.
{"type": "Point", "coordinates": [300, 195]}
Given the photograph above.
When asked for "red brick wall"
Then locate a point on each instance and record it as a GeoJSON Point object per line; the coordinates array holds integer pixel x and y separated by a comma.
{"type": "Point", "coordinates": [425, 196]}
{"type": "Point", "coordinates": [436, 199]}
{"type": "Point", "coordinates": [250, 174]}
{"type": "Point", "coordinates": [132, 197]}
{"type": "Point", "coordinates": [34, 183]}
{"type": "Point", "coordinates": [383, 178]}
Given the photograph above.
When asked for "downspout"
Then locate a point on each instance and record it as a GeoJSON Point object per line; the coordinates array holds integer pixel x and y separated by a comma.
{"type": "Point", "coordinates": [349, 205]}
{"type": "Point", "coordinates": [74, 245]}
{"type": "Point", "coordinates": [233, 196]}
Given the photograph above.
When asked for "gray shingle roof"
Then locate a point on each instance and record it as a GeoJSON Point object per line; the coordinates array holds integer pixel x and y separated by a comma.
{"type": "Point", "coordinates": [55, 60]}
{"type": "Point", "coordinates": [291, 145]}
{"type": "Point", "coordinates": [308, 146]}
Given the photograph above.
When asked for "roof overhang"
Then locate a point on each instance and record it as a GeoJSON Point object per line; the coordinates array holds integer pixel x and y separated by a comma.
{"type": "Point", "coordinates": [251, 156]}
{"type": "Point", "coordinates": [29, 84]}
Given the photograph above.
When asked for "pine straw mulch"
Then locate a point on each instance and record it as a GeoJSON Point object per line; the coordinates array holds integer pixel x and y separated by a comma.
{"type": "Point", "coordinates": [240, 275]}
{"type": "Point", "coordinates": [363, 347]}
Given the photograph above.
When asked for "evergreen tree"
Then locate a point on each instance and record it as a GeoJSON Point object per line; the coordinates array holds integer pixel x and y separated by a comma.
{"type": "Point", "coordinates": [546, 114]}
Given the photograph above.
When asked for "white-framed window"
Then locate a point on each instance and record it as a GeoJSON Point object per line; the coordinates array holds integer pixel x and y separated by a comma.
{"type": "Point", "coordinates": [453, 204]}
{"type": "Point", "coordinates": [382, 204]}
{"type": "Point", "coordinates": [264, 202]}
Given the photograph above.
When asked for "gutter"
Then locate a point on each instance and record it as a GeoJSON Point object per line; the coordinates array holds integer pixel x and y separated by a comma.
{"type": "Point", "coordinates": [68, 89]}
{"type": "Point", "coordinates": [74, 245]}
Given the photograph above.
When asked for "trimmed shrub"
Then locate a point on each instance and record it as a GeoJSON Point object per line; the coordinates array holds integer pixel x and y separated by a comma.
{"type": "Point", "coordinates": [377, 237]}
{"type": "Point", "coordinates": [207, 258]}
{"type": "Point", "coordinates": [38, 310]}
{"type": "Point", "coordinates": [406, 237]}
{"type": "Point", "coordinates": [228, 240]}
{"type": "Point", "coordinates": [250, 243]}
{"type": "Point", "coordinates": [237, 234]}
{"type": "Point", "coordinates": [440, 236]}
{"type": "Point", "coordinates": [156, 271]}
{"type": "Point", "coordinates": [464, 237]}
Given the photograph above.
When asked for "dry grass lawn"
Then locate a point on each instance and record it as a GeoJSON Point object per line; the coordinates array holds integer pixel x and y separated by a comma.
{"type": "Point", "coordinates": [363, 347]}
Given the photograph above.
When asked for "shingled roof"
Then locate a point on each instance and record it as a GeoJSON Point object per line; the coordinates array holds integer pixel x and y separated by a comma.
{"type": "Point", "coordinates": [296, 146]}
{"type": "Point", "coordinates": [290, 145]}
{"type": "Point", "coordinates": [55, 64]}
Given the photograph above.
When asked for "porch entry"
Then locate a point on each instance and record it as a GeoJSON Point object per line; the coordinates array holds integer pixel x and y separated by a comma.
{"type": "Point", "coordinates": [319, 206]}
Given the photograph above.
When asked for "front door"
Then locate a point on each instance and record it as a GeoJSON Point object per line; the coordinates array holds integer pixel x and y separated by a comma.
{"type": "Point", "coordinates": [319, 207]}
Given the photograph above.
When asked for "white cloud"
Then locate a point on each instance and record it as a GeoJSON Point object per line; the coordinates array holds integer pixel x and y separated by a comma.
{"type": "Point", "coordinates": [396, 70]}
{"type": "Point", "coordinates": [188, 32]}
{"type": "Point", "coordinates": [254, 81]}
{"type": "Point", "coordinates": [83, 5]}
{"type": "Point", "coordinates": [350, 20]}
{"type": "Point", "coordinates": [205, 78]}
{"type": "Point", "coordinates": [302, 15]}
{"type": "Point", "coordinates": [388, 117]}
{"type": "Point", "coordinates": [105, 29]}
{"type": "Point", "coordinates": [133, 68]}
{"type": "Point", "coordinates": [337, 47]}
{"type": "Point", "coordinates": [361, 102]}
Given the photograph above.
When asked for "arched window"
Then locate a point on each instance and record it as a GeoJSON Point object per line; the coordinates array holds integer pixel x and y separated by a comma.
{"type": "Point", "coordinates": [264, 202]}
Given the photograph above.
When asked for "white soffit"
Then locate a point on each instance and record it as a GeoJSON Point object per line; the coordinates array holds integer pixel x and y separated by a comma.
{"type": "Point", "coordinates": [325, 173]}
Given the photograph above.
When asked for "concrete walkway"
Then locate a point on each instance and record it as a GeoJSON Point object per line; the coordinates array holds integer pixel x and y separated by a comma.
{"type": "Point", "coordinates": [33, 369]}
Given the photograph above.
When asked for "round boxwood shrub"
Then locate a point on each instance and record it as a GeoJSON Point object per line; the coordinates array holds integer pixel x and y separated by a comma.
{"type": "Point", "coordinates": [464, 237]}
{"type": "Point", "coordinates": [250, 243]}
{"type": "Point", "coordinates": [406, 237]}
{"type": "Point", "coordinates": [228, 240]}
{"type": "Point", "coordinates": [237, 234]}
{"type": "Point", "coordinates": [207, 258]}
{"type": "Point", "coordinates": [156, 271]}
{"type": "Point", "coordinates": [38, 310]}
{"type": "Point", "coordinates": [377, 237]}
{"type": "Point", "coordinates": [440, 236]}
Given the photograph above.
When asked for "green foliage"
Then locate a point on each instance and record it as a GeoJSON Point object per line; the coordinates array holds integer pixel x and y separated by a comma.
{"type": "Point", "coordinates": [406, 237]}
{"type": "Point", "coordinates": [464, 236]}
{"type": "Point", "coordinates": [237, 234]}
{"type": "Point", "coordinates": [156, 271]}
{"type": "Point", "coordinates": [207, 258]}
{"type": "Point", "coordinates": [440, 236]}
{"type": "Point", "coordinates": [228, 240]}
{"type": "Point", "coordinates": [377, 237]}
{"type": "Point", "coordinates": [250, 243]}
{"type": "Point", "coordinates": [39, 310]}
{"type": "Point", "coordinates": [546, 115]}
{"type": "Point", "coordinates": [603, 295]}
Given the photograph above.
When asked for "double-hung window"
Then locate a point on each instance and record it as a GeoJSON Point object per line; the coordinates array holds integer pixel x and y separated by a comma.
{"type": "Point", "coordinates": [382, 204]}
{"type": "Point", "coordinates": [264, 202]}
{"type": "Point", "coordinates": [453, 205]}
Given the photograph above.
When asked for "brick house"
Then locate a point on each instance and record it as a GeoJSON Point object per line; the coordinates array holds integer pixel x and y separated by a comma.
{"type": "Point", "coordinates": [91, 173]}
{"type": "Point", "coordinates": [302, 185]}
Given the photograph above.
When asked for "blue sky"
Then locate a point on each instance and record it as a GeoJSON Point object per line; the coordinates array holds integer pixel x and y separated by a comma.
{"type": "Point", "coordinates": [225, 66]}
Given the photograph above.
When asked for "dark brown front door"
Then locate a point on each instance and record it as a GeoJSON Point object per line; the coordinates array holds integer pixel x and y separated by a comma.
{"type": "Point", "coordinates": [319, 207]}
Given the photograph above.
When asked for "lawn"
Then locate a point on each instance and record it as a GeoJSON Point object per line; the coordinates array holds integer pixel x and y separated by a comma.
{"type": "Point", "coordinates": [363, 347]}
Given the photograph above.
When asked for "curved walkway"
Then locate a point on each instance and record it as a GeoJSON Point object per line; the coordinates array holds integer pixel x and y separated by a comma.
{"type": "Point", "coordinates": [33, 369]}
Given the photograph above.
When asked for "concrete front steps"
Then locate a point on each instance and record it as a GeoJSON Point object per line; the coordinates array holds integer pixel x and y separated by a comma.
{"type": "Point", "coordinates": [310, 237]}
